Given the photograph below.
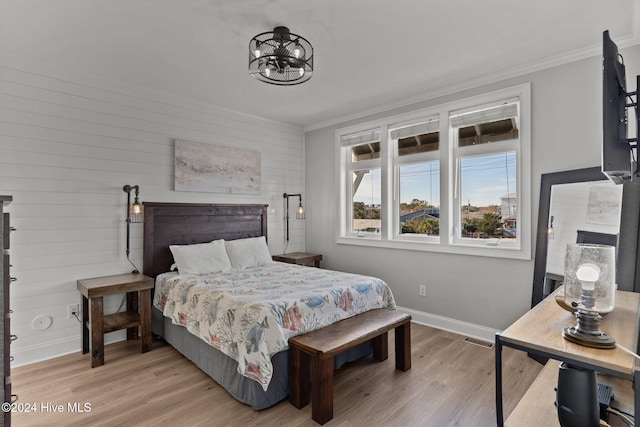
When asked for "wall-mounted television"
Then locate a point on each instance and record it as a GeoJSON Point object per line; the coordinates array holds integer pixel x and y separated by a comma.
{"type": "Point", "coordinates": [618, 160]}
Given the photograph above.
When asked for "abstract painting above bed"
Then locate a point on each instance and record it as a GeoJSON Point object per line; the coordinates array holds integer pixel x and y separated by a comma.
{"type": "Point", "coordinates": [249, 314]}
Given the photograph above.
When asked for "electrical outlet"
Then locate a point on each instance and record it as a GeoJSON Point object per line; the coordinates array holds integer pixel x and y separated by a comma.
{"type": "Point", "coordinates": [422, 290]}
{"type": "Point", "coordinates": [73, 310]}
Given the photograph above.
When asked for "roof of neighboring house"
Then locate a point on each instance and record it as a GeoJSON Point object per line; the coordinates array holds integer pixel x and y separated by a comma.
{"type": "Point", "coordinates": [366, 224]}
{"type": "Point", "coordinates": [421, 213]}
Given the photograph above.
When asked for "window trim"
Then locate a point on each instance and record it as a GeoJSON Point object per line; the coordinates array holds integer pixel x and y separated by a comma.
{"type": "Point", "coordinates": [478, 151]}
{"type": "Point", "coordinates": [348, 166]}
{"type": "Point", "coordinates": [398, 161]}
{"type": "Point", "coordinates": [389, 236]}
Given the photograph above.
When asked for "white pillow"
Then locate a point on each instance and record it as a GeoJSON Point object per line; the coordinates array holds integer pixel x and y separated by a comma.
{"type": "Point", "coordinates": [201, 258]}
{"type": "Point", "coordinates": [251, 252]}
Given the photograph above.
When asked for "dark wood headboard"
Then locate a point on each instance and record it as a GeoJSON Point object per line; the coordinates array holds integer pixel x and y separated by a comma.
{"type": "Point", "coordinates": [188, 223]}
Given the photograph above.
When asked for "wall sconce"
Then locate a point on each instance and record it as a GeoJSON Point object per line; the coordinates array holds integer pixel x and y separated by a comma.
{"type": "Point", "coordinates": [299, 211]}
{"type": "Point", "coordinates": [550, 231]}
{"type": "Point", "coordinates": [134, 216]}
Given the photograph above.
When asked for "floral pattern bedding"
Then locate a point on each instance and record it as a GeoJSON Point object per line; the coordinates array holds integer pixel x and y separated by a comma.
{"type": "Point", "coordinates": [250, 314]}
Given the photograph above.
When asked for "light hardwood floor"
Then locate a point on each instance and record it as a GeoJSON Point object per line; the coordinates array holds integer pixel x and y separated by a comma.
{"type": "Point", "coordinates": [451, 383]}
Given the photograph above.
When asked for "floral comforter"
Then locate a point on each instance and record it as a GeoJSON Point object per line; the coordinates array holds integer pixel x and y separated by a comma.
{"type": "Point", "coordinates": [250, 314]}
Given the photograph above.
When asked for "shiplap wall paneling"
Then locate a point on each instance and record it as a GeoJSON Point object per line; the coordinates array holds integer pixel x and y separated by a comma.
{"type": "Point", "coordinates": [67, 146]}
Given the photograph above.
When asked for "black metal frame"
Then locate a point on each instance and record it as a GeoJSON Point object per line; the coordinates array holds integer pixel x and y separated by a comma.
{"type": "Point", "coordinates": [627, 277]}
{"type": "Point", "coordinates": [635, 378]}
{"type": "Point", "coordinates": [127, 189]}
{"type": "Point", "coordinates": [286, 196]}
{"type": "Point", "coordinates": [628, 263]}
{"type": "Point", "coordinates": [277, 57]}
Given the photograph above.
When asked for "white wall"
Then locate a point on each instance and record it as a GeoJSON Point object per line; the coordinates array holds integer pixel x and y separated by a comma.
{"type": "Point", "coordinates": [486, 292]}
{"type": "Point", "coordinates": [68, 143]}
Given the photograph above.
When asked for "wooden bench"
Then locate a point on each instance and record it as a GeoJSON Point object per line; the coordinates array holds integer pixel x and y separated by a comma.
{"type": "Point", "coordinates": [323, 344]}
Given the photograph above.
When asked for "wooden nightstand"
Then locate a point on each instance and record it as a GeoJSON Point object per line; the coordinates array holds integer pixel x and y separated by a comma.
{"type": "Point", "coordinates": [300, 258]}
{"type": "Point", "coordinates": [94, 320]}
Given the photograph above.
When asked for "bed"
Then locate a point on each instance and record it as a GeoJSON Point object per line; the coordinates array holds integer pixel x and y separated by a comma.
{"type": "Point", "coordinates": [262, 381]}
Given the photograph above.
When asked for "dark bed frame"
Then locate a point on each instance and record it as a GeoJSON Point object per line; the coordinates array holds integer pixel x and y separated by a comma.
{"type": "Point", "coordinates": [189, 223]}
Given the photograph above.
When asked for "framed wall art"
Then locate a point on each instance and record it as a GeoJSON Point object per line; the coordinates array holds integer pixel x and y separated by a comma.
{"type": "Point", "coordinates": [216, 168]}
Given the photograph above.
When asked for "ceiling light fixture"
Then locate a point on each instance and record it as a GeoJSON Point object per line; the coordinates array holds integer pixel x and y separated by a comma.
{"type": "Point", "coordinates": [280, 57]}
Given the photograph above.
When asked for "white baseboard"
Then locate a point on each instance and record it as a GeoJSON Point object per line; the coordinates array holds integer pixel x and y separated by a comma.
{"type": "Point", "coordinates": [52, 349]}
{"type": "Point", "coordinates": [451, 325]}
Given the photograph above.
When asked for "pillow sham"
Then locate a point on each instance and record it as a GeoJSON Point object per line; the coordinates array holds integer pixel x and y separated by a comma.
{"type": "Point", "coordinates": [201, 258]}
{"type": "Point", "coordinates": [251, 252]}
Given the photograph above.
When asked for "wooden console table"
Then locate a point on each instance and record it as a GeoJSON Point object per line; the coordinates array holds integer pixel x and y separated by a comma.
{"type": "Point", "coordinates": [539, 332]}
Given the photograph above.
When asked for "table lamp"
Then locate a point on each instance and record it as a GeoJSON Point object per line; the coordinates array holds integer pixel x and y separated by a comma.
{"type": "Point", "coordinates": [589, 287]}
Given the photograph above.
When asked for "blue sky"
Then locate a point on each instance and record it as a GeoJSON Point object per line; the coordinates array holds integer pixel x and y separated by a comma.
{"type": "Point", "coordinates": [484, 180]}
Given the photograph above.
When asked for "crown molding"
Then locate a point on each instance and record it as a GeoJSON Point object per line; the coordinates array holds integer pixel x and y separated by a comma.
{"type": "Point", "coordinates": [547, 63]}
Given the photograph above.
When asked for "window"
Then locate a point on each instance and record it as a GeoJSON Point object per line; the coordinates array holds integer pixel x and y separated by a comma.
{"type": "Point", "coordinates": [364, 194]}
{"type": "Point", "coordinates": [485, 144]}
{"type": "Point", "coordinates": [417, 160]}
{"type": "Point", "coordinates": [451, 178]}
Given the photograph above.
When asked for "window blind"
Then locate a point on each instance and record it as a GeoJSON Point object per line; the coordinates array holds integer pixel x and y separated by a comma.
{"type": "Point", "coordinates": [459, 119]}
{"type": "Point", "coordinates": [361, 138]}
{"type": "Point", "coordinates": [416, 129]}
